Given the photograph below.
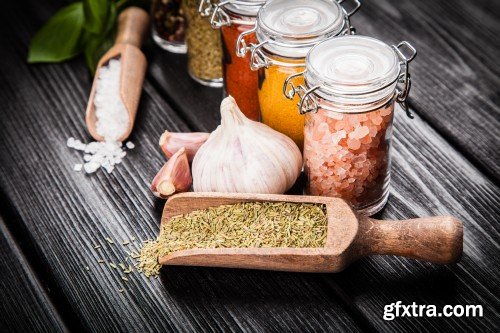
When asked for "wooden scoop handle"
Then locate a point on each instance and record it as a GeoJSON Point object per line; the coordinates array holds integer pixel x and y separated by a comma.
{"type": "Point", "coordinates": [436, 239]}
{"type": "Point", "coordinates": [133, 24]}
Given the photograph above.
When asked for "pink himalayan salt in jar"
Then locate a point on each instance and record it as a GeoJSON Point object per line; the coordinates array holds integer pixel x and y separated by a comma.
{"type": "Point", "coordinates": [351, 86]}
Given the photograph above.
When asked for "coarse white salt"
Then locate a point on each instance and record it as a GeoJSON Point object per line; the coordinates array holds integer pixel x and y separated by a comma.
{"type": "Point", "coordinates": [112, 116]}
{"type": "Point", "coordinates": [112, 120]}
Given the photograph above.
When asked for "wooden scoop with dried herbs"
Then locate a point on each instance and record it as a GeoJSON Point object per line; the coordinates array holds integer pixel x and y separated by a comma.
{"type": "Point", "coordinates": [242, 225]}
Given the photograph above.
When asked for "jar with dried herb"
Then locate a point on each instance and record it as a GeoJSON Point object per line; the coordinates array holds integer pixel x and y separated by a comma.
{"type": "Point", "coordinates": [351, 84]}
{"type": "Point", "coordinates": [168, 28]}
{"type": "Point", "coordinates": [286, 30]}
{"type": "Point", "coordinates": [204, 47]}
{"type": "Point", "coordinates": [234, 17]}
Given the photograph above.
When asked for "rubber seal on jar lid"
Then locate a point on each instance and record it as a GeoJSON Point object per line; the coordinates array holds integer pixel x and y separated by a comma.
{"type": "Point", "coordinates": [352, 66]}
{"type": "Point", "coordinates": [292, 27]}
{"type": "Point", "coordinates": [248, 8]}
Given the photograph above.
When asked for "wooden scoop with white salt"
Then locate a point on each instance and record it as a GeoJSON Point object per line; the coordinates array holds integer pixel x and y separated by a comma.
{"type": "Point", "coordinates": [115, 95]}
{"type": "Point", "coordinates": [118, 80]}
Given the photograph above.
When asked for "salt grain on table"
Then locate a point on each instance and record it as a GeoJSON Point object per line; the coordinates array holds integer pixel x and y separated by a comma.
{"type": "Point", "coordinates": [112, 121]}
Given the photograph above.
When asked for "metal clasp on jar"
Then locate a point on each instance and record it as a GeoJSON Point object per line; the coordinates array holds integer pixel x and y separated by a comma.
{"type": "Point", "coordinates": [219, 17]}
{"type": "Point", "coordinates": [404, 78]}
{"type": "Point", "coordinates": [290, 93]}
{"type": "Point", "coordinates": [205, 8]}
{"type": "Point", "coordinates": [348, 29]}
{"type": "Point", "coordinates": [258, 59]}
{"type": "Point", "coordinates": [241, 44]}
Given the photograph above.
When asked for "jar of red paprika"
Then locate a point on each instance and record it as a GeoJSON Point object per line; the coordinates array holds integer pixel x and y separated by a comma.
{"type": "Point", "coordinates": [351, 84]}
{"type": "Point", "coordinates": [286, 30]}
{"type": "Point", "coordinates": [234, 17]}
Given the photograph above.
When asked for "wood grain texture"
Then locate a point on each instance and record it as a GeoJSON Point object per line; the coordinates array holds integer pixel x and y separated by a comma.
{"type": "Point", "coordinates": [24, 303]}
{"type": "Point", "coordinates": [64, 214]}
{"type": "Point", "coordinates": [456, 77]}
{"type": "Point", "coordinates": [133, 27]}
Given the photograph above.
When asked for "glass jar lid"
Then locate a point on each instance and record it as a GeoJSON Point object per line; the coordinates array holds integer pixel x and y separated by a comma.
{"type": "Point", "coordinates": [351, 73]}
{"type": "Point", "coordinates": [353, 65]}
{"type": "Point", "coordinates": [292, 27]}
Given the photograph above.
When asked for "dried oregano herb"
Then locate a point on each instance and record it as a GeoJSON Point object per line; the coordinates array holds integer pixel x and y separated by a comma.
{"type": "Point", "coordinates": [240, 225]}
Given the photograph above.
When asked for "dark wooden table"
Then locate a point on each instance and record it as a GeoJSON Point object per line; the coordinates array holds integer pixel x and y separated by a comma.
{"type": "Point", "coordinates": [445, 162]}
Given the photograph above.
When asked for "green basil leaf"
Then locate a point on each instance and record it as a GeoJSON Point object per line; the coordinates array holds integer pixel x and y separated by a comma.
{"type": "Point", "coordinates": [59, 38]}
{"type": "Point", "coordinates": [98, 44]}
{"type": "Point", "coordinates": [96, 14]}
{"type": "Point", "coordinates": [110, 25]}
{"type": "Point", "coordinates": [95, 49]}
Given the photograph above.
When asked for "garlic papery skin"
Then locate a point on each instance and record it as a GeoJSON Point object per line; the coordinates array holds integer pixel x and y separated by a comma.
{"type": "Point", "coordinates": [171, 142]}
{"type": "Point", "coordinates": [245, 156]}
{"type": "Point", "coordinates": [173, 177]}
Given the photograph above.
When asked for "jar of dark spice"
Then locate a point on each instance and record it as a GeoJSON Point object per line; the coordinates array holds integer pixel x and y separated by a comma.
{"type": "Point", "coordinates": [286, 30]}
{"type": "Point", "coordinates": [234, 17]}
{"type": "Point", "coordinates": [204, 46]}
{"type": "Point", "coordinates": [351, 85]}
{"type": "Point", "coordinates": [168, 28]}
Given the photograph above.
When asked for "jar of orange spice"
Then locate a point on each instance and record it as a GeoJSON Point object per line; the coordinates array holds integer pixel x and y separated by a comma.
{"type": "Point", "coordinates": [285, 31]}
{"type": "Point", "coordinates": [234, 17]}
{"type": "Point", "coordinates": [351, 84]}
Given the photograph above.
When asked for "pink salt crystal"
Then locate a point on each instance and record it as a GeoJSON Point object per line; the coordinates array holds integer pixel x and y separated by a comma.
{"type": "Point", "coordinates": [362, 117]}
{"type": "Point", "coordinates": [323, 128]}
{"type": "Point", "coordinates": [377, 119]}
{"type": "Point", "coordinates": [386, 111]}
{"type": "Point", "coordinates": [341, 173]}
{"type": "Point", "coordinates": [317, 135]}
{"type": "Point", "coordinates": [363, 131]}
{"type": "Point", "coordinates": [335, 115]}
{"type": "Point", "coordinates": [353, 120]}
{"type": "Point", "coordinates": [339, 125]}
{"type": "Point", "coordinates": [359, 158]}
{"type": "Point", "coordinates": [366, 140]}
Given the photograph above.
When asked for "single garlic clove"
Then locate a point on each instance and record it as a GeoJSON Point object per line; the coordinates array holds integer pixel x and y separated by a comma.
{"type": "Point", "coordinates": [173, 177]}
{"type": "Point", "coordinates": [171, 142]}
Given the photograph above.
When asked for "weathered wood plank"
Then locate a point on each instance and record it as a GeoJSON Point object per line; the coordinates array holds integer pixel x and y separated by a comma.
{"type": "Point", "coordinates": [224, 299]}
{"type": "Point", "coordinates": [65, 214]}
{"type": "Point", "coordinates": [456, 77]}
{"type": "Point", "coordinates": [24, 303]}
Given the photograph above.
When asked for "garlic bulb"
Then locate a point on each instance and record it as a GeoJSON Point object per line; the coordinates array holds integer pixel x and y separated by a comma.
{"type": "Point", "coordinates": [245, 156]}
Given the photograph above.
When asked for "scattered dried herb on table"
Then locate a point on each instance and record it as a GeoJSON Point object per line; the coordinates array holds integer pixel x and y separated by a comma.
{"type": "Point", "coordinates": [242, 225]}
